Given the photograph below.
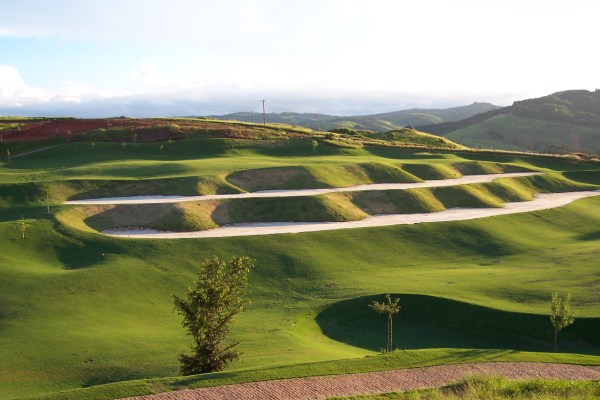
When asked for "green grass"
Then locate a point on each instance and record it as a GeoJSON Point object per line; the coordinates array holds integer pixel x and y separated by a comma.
{"type": "Point", "coordinates": [79, 309]}
{"type": "Point", "coordinates": [128, 330]}
{"type": "Point", "coordinates": [380, 362]}
{"type": "Point", "coordinates": [516, 133]}
{"type": "Point", "coordinates": [333, 207]}
{"type": "Point", "coordinates": [498, 388]}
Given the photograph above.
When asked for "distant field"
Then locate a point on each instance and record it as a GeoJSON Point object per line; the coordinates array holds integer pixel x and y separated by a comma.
{"type": "Point", "coordinates": [78, 309]}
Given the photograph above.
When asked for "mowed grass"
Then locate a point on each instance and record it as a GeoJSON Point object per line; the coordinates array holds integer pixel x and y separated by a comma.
{"type": "Point", "coordinates": [78, 309]}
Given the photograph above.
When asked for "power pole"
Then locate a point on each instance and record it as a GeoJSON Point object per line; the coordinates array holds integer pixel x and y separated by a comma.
{"type": "Point", "coordinates": [318, 124]}
{"type": "Point", "coordinates": [264, 117]}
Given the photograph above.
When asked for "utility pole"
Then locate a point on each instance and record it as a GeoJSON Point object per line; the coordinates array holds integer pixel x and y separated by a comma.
{"type": "Point", "coordinates": [318, 124]}
{"type": "Point", "coordinates": [264, 117]}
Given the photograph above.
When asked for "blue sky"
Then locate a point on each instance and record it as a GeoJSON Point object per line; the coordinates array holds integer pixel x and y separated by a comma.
{"type": "Point", "coordinates": [143, 58]}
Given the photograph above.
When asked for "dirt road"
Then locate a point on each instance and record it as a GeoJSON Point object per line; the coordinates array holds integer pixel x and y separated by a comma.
{"type": "Point", "coordinates": [322, 387]}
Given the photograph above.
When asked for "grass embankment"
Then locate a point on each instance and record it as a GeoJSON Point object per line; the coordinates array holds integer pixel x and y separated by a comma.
{"type": "Point", "coordinates": [497, 388]}
{"type": "Point", "coordinates": [334, 207]}
{"type": "Point", "coordinates": [395, 360]}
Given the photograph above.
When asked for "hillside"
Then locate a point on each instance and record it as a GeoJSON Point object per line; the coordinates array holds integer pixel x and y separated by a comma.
{"type": "Point", "coordinates": [374, 122]}
{"type": "Point", "coordinates": [566, 121]}
{"type": "Point", "coordinates": [92, 314]}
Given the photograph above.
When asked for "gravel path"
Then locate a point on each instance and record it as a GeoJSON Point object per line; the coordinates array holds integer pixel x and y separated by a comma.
{"type": "Point", "coordinates": [541, 202]}
{"type": "Point", "coordinates": [300, 192]}
{"type": "Point", "coordinates": [322, 387]}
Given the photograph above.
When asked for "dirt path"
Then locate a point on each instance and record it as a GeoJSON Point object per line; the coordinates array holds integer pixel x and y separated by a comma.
{"type": "Point", "coordinates": [35, 151]}
{"type": "Point", "coordinates": [541, 202]}
{"type": "Point", "coordinates": [301, 192]}
{"type": "Point", "coordinates": [322, 387]}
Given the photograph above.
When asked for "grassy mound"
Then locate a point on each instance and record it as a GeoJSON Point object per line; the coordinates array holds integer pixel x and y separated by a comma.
{"type": "Point", "coordinates": [329, 208]}
{"type": "Point", "coordinates": [318, 177]}
{"type": "Point", "coordinates": [412, 136]}
{"type": "Point", "coordinates": [486, 167]}
{"type": "Point", "coordinates": [433, 322]}
{"type": "Point", "coordinates": [332, 207]}
{"type": "Point", "coordinates": [432, 171]}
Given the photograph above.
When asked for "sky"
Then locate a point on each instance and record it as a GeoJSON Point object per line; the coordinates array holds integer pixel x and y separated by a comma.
{"type": "Point", "coordinates": [100, 58]}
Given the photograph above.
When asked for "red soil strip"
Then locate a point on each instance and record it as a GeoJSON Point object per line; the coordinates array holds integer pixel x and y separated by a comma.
{"type": "Point", "coordinates": [322, 387]}
{"type": "Point", "coordinates": [147, 130]}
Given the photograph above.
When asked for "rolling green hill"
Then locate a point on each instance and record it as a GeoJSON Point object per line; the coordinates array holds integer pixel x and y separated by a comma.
{"type": "Point", "coordinates": [375, 122]}
{"type": "Point", "coordinates": [562, 122]}
{"type": "Point", "coordinates": [93, 314]}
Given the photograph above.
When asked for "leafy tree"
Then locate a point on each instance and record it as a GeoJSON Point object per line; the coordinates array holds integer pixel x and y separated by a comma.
{"type": "Point", "coordinates": [314, 144]}
{"type": "Point", "coordinates": [560, 315]}
{"type": "Point", "coordinates": [390, 307]}
{"type": "Point", "coordinates": [208, 311]}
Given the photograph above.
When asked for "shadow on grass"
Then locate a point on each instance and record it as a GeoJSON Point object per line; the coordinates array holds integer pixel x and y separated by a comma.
{"type": "Point", "coordinates": [433, 322]}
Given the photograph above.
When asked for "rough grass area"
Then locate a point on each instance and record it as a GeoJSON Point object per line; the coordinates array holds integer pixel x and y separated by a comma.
{"type": "Point", "coordinates": [498, 388]}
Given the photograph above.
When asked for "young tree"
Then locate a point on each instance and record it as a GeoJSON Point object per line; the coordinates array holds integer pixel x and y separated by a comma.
{"type": "Point", "coordinates": [208, 311]}
{"type": "Point", "coordinates": [47, 193]}
{"type": "Point", "coordinates": [8, 155]}
{"type": "Point", "coordinates": [23, 225]}
{"type": "Point", "coordinates": [560, 315]}
{"type": "Point", "coordinates": [314, 144]}
{"type": "Point", "coordinates": [390, 307]}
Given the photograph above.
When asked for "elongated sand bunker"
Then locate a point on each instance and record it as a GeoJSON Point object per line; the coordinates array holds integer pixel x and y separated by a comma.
{"type": "Point", "coordinates": [541, 202]}
{"type": "Point", "coordinates": [464, 180]}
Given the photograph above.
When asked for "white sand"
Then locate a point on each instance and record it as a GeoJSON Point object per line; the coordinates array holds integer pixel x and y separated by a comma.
{"type": "Point", "coordinates": [541, 202]}
{"type": "Point", "coordinates": [301, 192]}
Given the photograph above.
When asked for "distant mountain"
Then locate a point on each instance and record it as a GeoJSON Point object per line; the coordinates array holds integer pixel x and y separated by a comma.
{"type": "Point", "coordinates": [561, 122]}
{"type": "Point", "coordinates": [375, 122]}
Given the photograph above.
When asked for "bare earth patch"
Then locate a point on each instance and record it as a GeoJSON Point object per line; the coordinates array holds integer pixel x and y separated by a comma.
{"type": "Point", "coordinates": [322, 387]}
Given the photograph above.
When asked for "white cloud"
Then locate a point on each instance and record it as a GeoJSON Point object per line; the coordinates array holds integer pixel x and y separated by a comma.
{"type": "Point", "coordinates": [14, 91]}
{"type": "Point", "coordinates": [147, 72]}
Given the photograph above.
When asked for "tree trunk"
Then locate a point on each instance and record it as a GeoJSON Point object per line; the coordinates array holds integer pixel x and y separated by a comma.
{"type": "Point", "coordinates": [391, 333]}
{"type": "Point", "coordinates": [555, 339]}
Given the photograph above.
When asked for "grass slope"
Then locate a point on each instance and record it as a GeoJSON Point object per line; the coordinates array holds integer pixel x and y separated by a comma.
{"type": "Point", "coordinates": [78, 309]}
{"type": "Point", "coordinates": [104, 298]}
{"type": "Point", "coordinates": [510, 132]}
